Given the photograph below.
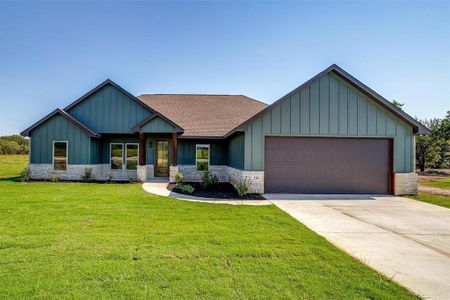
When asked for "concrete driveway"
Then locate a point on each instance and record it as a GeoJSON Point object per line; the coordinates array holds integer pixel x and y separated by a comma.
{"type": "Point", "coordinates": [406, 240]}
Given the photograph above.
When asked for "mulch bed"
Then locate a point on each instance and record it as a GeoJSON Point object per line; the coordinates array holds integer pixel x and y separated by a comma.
{"type": "Point", "coordinates": [222, 190]}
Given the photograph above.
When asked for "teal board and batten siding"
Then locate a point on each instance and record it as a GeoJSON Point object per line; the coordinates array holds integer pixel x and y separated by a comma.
{"type": "Point", "coordinates": [157, 125]}
{"type": "Point", "coordinates": [329, 106]}
{"type": "Point", "coordinates": [58, 128]}
{"type": "Point", "coordinates": [235, 150]}
{"type": "Point", "coordinates": [186, 151]}
{"type": "Point", "coordinates": [109, 110]}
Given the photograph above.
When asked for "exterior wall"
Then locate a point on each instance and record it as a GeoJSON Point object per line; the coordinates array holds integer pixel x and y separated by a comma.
{"type": "Point", "coordinates": [106, 141]}
{"type": "Point", "coordinates": [58, 128]}
{"type": "Point", "coordinates": [100, 172]}
{"type": "Point", "coordinates": [109, 111]}
{"type": "Point", "coordinates": [329, 106]}
{"type": "Point", "coordinates": [406, 183]}
{"type": "Point", "coordinates": [235, 151]}
{"type": "Point", "coordinates": [145, 172]}
{"type": "Point", "coordinates": [157, 125]}
{"type": "Point", "coordinates": [224, 173]}
{"type": "Point", "coordinates": [186, 151]}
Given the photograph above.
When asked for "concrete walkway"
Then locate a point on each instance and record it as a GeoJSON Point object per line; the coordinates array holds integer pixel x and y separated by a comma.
{"type": "Point", "coordinates": [406, 240]}
{"type": "Point", "coordinates": [434, 190]}
{"type": "Point", "coordinates": [158, 186]}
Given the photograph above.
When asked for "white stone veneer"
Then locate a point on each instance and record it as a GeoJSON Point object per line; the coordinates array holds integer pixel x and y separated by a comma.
{"type": "Point", "coordinates": [73, 172]}
{"type": "Point", "coordinates": [224, 173]}
{"type": "Point", "coordinates": [406, 183]}
{"type": "Point", "coordinates": [145, 172]}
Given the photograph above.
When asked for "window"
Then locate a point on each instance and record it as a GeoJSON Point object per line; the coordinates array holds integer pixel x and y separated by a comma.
{"type": "Point", "coordinates": [202, 157]}
{"type": "Point", "coordinates": [116, 156]}
{"type": "Point", "coordinates": [60, 156]}
{"type": "Point", "coordinates": [132, 156]}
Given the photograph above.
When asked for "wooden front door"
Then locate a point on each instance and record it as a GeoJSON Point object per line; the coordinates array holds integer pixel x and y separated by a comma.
{"type": "Point", "coordinates": [162, 158]}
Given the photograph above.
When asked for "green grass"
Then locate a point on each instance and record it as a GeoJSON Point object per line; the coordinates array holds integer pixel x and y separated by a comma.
{"type": "Point", "coordinates": [74, 240]}
{"type": "Point", "coordinates": [12, 165]}
{"type": "Point", "coordinates": [439, 183]}
{"type": "Point", "coordinates": [440, 200]}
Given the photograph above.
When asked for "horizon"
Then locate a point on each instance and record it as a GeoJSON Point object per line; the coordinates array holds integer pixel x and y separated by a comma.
{"type": "Point", "coordinates": [53, 53]}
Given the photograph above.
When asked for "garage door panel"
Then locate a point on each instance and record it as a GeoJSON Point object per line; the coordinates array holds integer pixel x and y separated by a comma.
{"type": "Point", "coordinates": [326, 165]}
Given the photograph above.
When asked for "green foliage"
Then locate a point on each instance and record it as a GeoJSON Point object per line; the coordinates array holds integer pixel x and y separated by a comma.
{"type": "Point", "coordinates": [54, 178]}
{"type": "Point", "coordinates": [25, 175]}
{"type": "Point", "coordinates": [178, 177]}
{"type": "Point", "coordinates": [242, 187]}
{"type": "Point", "coordinates": [87, 175]}
{"type": "Point", "coordinates": [209, 179]}
{"type": "Point", "coordinates": [13, 144]}
{"type": "Point", "coordinates": [433, 151]}
{"type": "Point", "coordinates": [398, 104]}
{"type": "Point", "coordinates": [440, 200]}
{"type": "Point", "coordinates": [185, 188]}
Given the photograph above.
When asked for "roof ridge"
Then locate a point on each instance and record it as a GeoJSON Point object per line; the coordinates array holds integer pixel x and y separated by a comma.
{"type": "Point", "coordinates": [193, 94]}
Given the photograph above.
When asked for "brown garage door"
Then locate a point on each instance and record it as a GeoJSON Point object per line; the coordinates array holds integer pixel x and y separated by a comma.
{"type": "Point", "coordinates": [327, 165]}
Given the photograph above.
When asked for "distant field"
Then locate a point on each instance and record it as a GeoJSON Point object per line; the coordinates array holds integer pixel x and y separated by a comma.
{"type": "Point", "coordinates": [12, 165]}
{"type": "Point", "coordinates": [443, 183]}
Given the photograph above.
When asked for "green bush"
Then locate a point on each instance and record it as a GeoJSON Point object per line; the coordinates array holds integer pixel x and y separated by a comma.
{"type": "Point", "coordinates": [13, 144]}
{"type": "Point", "coordinates": [54, 178]}
{"type": "Point", "coordinates": [242, 187]}
{"type": "Point", "coordinates": [25, 175]}
{"type": "Point", "coordinates": [178, 177]}
{"type": "Point", "coordinates": [209, 179]}
{"type": "Point", "coordinates": [185, 188]}
{"type": "Point", "coordinates": [87, 175]}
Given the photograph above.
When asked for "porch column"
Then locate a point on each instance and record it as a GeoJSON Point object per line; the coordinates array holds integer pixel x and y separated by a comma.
{"type": "Point", "coordinates": [174, 149]}
{"type": "Point", "coordinates": [142, 158]}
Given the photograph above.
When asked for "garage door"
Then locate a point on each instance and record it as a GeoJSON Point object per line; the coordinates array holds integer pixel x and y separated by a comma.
{"type": "Point", "coordinates": [327, 165]}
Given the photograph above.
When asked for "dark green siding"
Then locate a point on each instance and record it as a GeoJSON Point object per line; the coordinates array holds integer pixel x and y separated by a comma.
{"type": "Point", "coordinates": [329, 106]}
{"type": "Point", "coordinates": [58, 128]}
{"type": "Point", "coordinates": [186, 151]}
{"type": "Point", "coordinates": [235, 151]}
{"type": "Point", "coordinates": [157, 125]}
{"type": "Point", "coordinates": [108, 139]}
{"type": "Point", "coordinates": [109, 111]}
{"type": "Point", "coordinates": [96, 151]}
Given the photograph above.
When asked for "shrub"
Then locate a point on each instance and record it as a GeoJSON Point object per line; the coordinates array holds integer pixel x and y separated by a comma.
{"type": "Point", "coordinates": [242, 187]}
{"type": "Point", "coordinates": [87, 175]}
{"type": "Point", "coordinates": [25, 175]}
{"type": "Point", "coordinates": [178, 177]}
{"type": "Point", "coordinates": [185, 188]}
{"type": "Point", "coordinates": [209, 179]}
{"type": "Point", "coordinates": [54, 178]}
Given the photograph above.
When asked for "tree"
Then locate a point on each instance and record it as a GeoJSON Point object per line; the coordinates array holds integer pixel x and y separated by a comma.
{"type": "Point", "coordinates": [398, 104]}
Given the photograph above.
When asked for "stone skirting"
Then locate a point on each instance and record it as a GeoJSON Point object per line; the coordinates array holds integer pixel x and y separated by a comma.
{"type": "Point", "coordinates": [406, 183]}
{"type": "Point", "coordinates": [224, 173]}
{"type": "Point", "coordinates": [145, 172]}
{"type": "Point", "coordinates": [73, 172]}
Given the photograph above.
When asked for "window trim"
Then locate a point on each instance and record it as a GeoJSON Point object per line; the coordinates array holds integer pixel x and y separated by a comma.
{"type": "Point", "coordinates": [202, 159]}
{"type": "Point", "coordinates": [53, 155]}
{"type": "Point", "coordinates": [125, 157]}
{"type": "Point", "coordinates": [110, 156]}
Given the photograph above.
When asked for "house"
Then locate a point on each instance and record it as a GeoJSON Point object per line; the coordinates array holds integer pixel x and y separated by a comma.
{"type": "Point", "coordinates": [332, 134]}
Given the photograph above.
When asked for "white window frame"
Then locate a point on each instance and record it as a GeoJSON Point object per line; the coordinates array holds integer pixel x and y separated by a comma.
{"type": "Point", "coordinates": [53, 155]}
{"type": "Point", "coordinates": [202, 159]}
{"type": "Point", "coordinates": [125, 158]}
{"type": "Point", "coordinates": [110, 156]}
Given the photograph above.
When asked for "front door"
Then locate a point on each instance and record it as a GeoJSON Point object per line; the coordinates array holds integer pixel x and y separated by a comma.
{"type": "Point", "coordinates": [162, 158]}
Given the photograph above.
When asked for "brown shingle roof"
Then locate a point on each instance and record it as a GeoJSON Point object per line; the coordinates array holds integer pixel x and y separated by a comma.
{"type": "Point", "coordinates": [204, 115]}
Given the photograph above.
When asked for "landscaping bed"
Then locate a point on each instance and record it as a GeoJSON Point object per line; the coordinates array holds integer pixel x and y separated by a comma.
{"type": "Point", "coordinates": [221, 190]}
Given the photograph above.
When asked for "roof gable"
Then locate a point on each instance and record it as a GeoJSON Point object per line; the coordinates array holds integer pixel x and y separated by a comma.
{"type": "Point", "coordinates": [156, 124]}
{"type": "Point", "coordinates": [362, 88]}
{"type": "Point", "coordinates": [206, 116]}
{"type": "Point", "coordinates": [58, 111]}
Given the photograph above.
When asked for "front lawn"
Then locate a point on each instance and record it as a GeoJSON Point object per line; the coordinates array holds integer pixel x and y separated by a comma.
{"type": "Point", "coordinates": [443, 183]}
{"type": "Point", "coordinates": [440, 200]}
{"type": "Point", "coordinates": [12, 165]}
{"type": "Point", "coordinates": [74, 240]}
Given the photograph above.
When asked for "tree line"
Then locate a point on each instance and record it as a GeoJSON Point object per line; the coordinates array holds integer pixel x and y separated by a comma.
{"type": "Point", "coordinates": [14, 144]}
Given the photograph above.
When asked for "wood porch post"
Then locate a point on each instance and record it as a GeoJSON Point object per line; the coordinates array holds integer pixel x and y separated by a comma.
{"type": "Point", "coordinates": [142, 151]}
{"type": "Point", "coordinates": [174, 148]}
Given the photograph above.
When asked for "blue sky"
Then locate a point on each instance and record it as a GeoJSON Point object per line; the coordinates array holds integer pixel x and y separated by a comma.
{"type": "Point", "coordinates": [53, 52]}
